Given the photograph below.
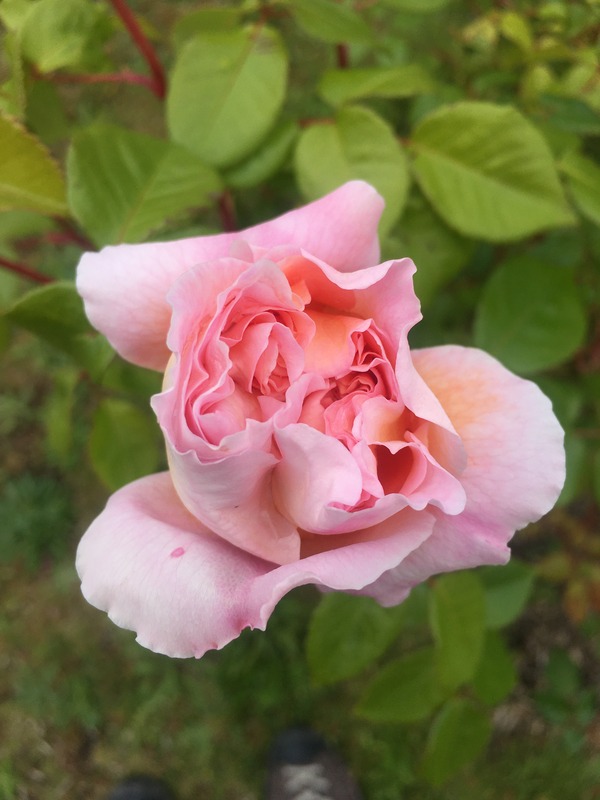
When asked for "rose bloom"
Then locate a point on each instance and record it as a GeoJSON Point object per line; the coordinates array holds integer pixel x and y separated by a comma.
{"type": "Point", "coordinates": [306, 442]}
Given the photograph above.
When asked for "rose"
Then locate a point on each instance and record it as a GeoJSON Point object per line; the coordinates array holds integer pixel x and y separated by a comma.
{"type": "Point", "coordinates": [306, 443]}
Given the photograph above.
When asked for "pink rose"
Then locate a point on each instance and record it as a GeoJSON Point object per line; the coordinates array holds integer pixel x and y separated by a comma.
{"type": "Point", "coordinates": [306, 443]}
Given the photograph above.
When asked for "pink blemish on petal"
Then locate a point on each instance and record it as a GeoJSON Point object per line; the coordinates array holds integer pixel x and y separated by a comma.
{"type": "Point", "coordinates": [178, 552]}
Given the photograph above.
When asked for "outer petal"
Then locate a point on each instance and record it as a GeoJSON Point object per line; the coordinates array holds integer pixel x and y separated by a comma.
{"type": "Point", "coordinates": [157, 570]}
{"type": "Point", "coordinates": [124, 287]}
{"type": "Point", "coordinates": [515, 465]}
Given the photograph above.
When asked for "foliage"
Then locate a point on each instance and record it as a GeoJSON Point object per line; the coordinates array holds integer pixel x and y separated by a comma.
{"type": "Point", "coordinates": [458, 665]}
{"type": "Point", "coordinates": [479, 123]}
{"type": "Point", "coordinates": [35, 512]}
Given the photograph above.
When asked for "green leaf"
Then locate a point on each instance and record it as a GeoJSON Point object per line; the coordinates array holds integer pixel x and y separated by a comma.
{"type": "Point", "coordinates": [45, 114]}
{"type": "Point", "coordinates": [563, 248]}
{"type": "Point", "coordinates": [347, 634]}
{"type": "Point", "coordinates": [29, 177]}
{"type": "Point", "coordinates": [330, 21]}
{"type": "Point", "coordinates": [13, 95]}
{"type": "Point", "coordinates": [339, 86]}
{"type": "Point", "coordinates": [507, 590]}
{"type": "Point", "coordinates": [576, 451]}
{"type": "Point", "coordinates": [596, 476]}
{"type": "Point", "coordinates": [567, 398]}
{"type": "Point", "coordinates": [58, 415]}
{"type": "Point", "coordinates": [124, 443]}
{"type": "Point", "coordinates": [458, 735]}
{"type": "Point", "coordinates": [405, 690]}
{"type": "Point", "coordinates": [125, 378]}
{"type": "Point", "coordinates": [583, 177]}
{"type": "Point", "coordinates": [4, 335]}
{"type": "Point", "coordinates": [57, 33]}
{"type": "Point", "coordinates": [14, 12]}
{"type": "Point", "coordinates": [265, 161]}
{"type": "Point", "coordinates": [212, 18]}
{"type": "Point", "coordinates": [418, 6]}
{"type": "Point", "coordinates": [9, 290]}
{"type": "Point", "coordinates": [488, 172]}
{"type": "Point", "coordinates": [457, 617]}
{"type": "Point", "coordinates": [55, 314]}
{"type": "Point", "coordinates": [496, 675]}
{"type": "Point", "coordinates": [358, 144]}
{"type": "Point", "coordinates": [568, 114]}
{"type": "Point", "coordinates": [515, 27]}
{"type": "Point", "coordinates": [563, 675]}
{"type": "Point", "coordinates": [122, 185]}
{"type": "Point", "coordinates": [438, 252]}
{"type": "Point", "coordinates": [530, 315]}
{"type": "Point", "coordinates": [15, 225]}
{"type": "Point", "coordinates": [225, 92]}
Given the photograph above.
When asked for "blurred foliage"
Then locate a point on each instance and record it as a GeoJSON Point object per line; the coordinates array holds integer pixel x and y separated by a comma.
{"type": "Point", "coordinates": [479, 122]}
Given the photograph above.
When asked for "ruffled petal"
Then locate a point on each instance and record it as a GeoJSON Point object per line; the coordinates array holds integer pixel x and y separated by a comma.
{"type": "Point", "coordinates": [515, 465]}
{"type": "Point", "coordinates": [158, 571]}
{"type": "Point", "coordinates": [233, 497]}
{"type": "Point", "coordinates": [317, 482]}
{"type": "Point", "coordinates": [124, 287]}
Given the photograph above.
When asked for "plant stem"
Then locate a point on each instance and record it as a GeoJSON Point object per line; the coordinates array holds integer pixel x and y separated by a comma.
{"type": "Point", "coordinates": [126, 76]}
{"type": "Point", "coordinates": [73, 235]}
{"type": "Point", "coordinates": [227, 212]}
{"type": "Point", "coordinates": [24, 271]}
{"type": "Point", "coordinates": [343, 56]}
{"type": "Point", "coordinates": [306, 122]}
{"type": "Point", "coordinates": [158, 83]}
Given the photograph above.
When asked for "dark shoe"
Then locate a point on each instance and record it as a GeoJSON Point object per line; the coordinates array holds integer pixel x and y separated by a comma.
{"type": "Point", "coordinates": [141, 787]}
{"type": "Point", "coordinates": [303, 767]}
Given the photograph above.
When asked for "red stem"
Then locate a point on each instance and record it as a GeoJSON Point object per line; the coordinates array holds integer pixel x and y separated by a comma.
{"type": "Point", "coordinates": [306, 122]}
{"type": "Point", "coordinates": [24, 271]}
{"type": "Point", "coordinates": [159, 83]}
{"type": "Point", "coordinates": [343, 56]}
{"type": "Point", "coordinates": [126, 76]}
{"type": "Point", "coordinates": [72, 234]}
{"type": "Point", "coordinates": [227, 212]}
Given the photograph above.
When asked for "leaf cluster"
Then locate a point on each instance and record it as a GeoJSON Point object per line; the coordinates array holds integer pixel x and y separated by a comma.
{"type": "Point", "coordinates": [456, 670]}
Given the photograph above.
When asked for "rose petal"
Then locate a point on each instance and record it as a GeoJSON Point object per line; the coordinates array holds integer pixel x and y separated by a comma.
{"type": "Point", "coordinates": [443, 455]}
{"type": "Point", "coordinates": [331, 350]}
{"type": "Point", "coordinates": [317, 476]}
{"type": "Point", "coordinates": [515, 465]}
{"type": "Point", "coordinates": [315, 472]}
{"type": "Point", "coordinates": [124, 287]}
{"type": "Point", "coordinates": [232, 496]}
{"type": "Point", "coordinates": [158, 571]}
{"type": "Point", "coordinates": [155, 569]}
{"type": "Point", "coordinates": [200, 396]}
{"type": "Point", "coordinates": [384, 292]}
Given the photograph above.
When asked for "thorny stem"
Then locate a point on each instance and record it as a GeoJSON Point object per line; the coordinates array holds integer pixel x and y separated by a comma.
{"type": "Point", "coordinates": [24, 271]}
{"type": "Point", "coordinates": [158, 83]}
